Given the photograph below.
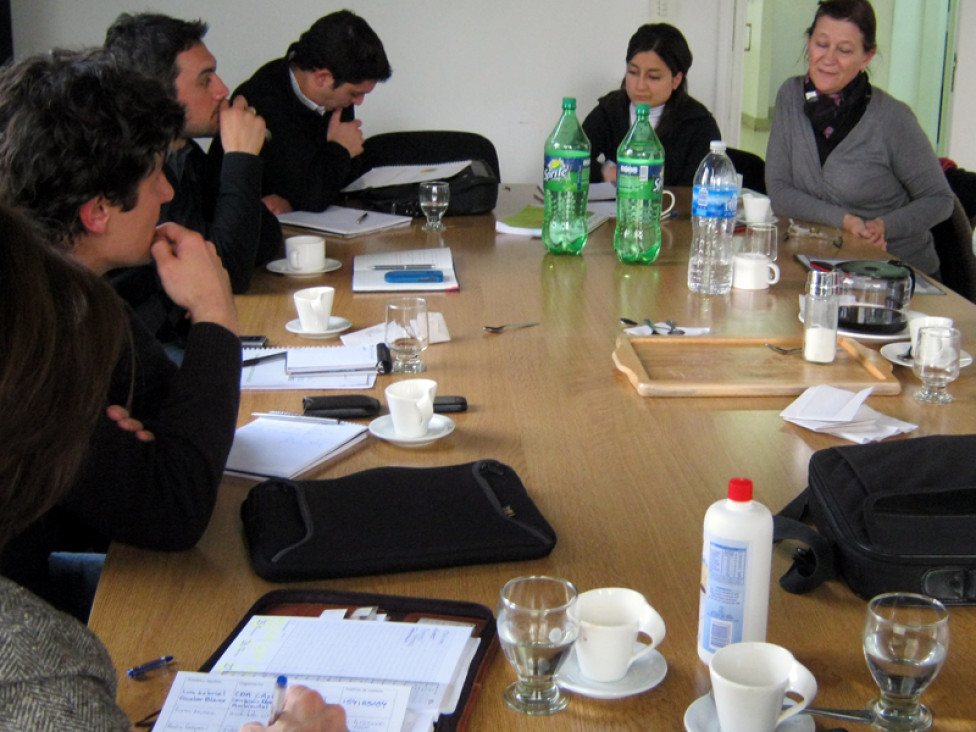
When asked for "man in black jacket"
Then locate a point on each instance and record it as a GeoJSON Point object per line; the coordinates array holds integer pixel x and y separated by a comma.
{"type": "Point", "coordinates": [307, 98]}
{"type": "Point", "coordinates": [157, 454]}
{"type": "Point", "coordinates": [222, 202]}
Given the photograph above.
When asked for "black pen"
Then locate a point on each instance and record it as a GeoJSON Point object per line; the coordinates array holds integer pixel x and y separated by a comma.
{"type": "Point", "coordinates": [262, 359]}
{"type": "Point", "coordinates": [136, 671]}
{"type": "Point", "coordinates": [362, 218]}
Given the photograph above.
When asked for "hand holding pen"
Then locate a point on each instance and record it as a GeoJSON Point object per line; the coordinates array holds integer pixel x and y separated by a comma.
{"type": "Point", "coordinates": [304, 711]}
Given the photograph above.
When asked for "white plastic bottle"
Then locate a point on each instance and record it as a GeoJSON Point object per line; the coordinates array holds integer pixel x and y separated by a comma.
{"type": "Point", "coordinates": [714, 201]}
{"type": "Point", "coordinates": [736, 564]}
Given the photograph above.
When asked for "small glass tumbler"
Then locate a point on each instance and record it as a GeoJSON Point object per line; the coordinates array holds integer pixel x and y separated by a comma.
{"type": "Point", "coordinates": [435, 196]}
{"type": "Point", "coordinates": [538, 621]}
{"type": "Point", "coordinates": [935, 360]}
{"type": "Point", "coordinates": [407, 333]}
{"type": "Point", "coordinates": [906, 638]}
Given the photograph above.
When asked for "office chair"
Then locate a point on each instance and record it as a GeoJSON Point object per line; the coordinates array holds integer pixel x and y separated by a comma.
{"type": "Point", "coordinates": [954, 245]}
{"type": "Point", "coordinates": [751, 166]}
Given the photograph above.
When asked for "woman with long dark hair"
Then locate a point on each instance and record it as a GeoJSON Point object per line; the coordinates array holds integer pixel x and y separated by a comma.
{"type": "Point", "coordinates": [658, 59]}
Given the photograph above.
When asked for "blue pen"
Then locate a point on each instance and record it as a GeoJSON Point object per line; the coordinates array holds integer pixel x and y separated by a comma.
{"type": "Point", "coordinates": [136, 671]}
{"type": "Point", "coordinates": [278, 700]}
{"type": "Point", "coordinates": [416, 275]}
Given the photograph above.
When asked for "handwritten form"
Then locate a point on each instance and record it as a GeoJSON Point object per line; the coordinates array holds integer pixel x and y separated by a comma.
{"type": "Point", "coordinates": [199, 702]}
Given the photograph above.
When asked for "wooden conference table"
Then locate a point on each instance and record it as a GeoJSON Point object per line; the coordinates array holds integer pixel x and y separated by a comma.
{"type": "Point", "coordinates": [624, 480]}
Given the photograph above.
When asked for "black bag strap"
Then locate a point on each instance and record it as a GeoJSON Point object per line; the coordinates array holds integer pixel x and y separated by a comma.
{"type": "Point", "coordinates": [814, 563]}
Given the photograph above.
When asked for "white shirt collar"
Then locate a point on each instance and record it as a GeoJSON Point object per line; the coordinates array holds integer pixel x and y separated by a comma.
{"type": "Point", "coordinates": [301, 95]}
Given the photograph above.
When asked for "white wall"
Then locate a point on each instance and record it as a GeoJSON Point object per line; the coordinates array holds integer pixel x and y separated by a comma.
{"type": "Point", "coordinates": [962, 127]}
{"type": "Point", "coordinates": [497, 67]}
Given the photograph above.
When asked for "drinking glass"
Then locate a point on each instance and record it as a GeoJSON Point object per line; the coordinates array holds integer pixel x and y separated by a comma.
{"type": "Point", "coordinates": [906, 637]}
{"type": "Point", "coordinates": [407, 333]}
{"type": "Point", "coordinates": [435, 195]}
{"type": "Point", "coordinates": [538, 621]}
{"type": "Point", "coordinates": [761, 239]}
{"type": "Point", "coordinates": [935, 360]}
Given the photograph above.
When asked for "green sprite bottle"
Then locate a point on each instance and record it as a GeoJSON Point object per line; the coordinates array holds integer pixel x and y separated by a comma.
{"type": "Point", "coordinates": [566, 184]}
{"type": "Point", "coordinates": [640, 182]}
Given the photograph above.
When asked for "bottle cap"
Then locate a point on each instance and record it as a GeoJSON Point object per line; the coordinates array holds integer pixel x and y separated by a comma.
{"type": "Point", "coordinates": [740, 489]}
{"type": "Point", "coordinates": [717, 146]}
{"type": "Point", "coordinates": [569, 102]}
{"type": "Point", "coordinates": [821, 283]}
{"type": "Point", "coordinates": [643, 109]}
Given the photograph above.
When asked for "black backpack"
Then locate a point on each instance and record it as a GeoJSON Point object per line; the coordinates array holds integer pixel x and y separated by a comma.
{"type": "Point", "coordinates": [894, 516]}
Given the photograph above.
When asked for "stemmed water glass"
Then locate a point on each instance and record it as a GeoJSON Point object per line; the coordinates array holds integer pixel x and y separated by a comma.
{"type": "Point", "coordinates": [435, 195]}
{"type": "Point", "coordinates": [906, 637]}
{"type": "Point", "coordinates": [538, 621]}
{"type": "Point", "coordinates": [407, 333]}
{"type": "Point", "coordinates": [935, 360]}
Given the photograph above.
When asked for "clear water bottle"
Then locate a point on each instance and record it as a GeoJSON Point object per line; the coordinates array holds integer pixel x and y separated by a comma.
{"type": "Point", "coordinates": [640, 182]}
{"type": "Point", "coordinates": [566, 183]}
{"type": "Point", "coordinates": [715, 197]}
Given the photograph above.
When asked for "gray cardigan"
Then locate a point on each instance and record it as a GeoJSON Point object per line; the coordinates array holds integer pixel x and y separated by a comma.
{"type": "Point", "coordinates": [885, 168]}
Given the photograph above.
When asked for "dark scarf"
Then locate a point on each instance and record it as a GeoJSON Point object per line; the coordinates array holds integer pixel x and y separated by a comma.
{"type": "Point", "coordinates": [833, 116]}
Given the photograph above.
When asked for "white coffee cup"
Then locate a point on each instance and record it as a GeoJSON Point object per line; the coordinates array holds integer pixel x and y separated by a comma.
{"type": "Point", "coordinates": [610, 620]}
{"type": "Point", "coordinates": [750, 682]}
{"type": "Point", "coordinates": [756, 208]}
{"type": "Point", "coordinates": [411, 404]}
{"type": "Point", "coordinates": [926, 321]}
{"type": "Point", "coordinates": [665, 210]}
{"type": "Point", "coordinates": [751, 271]}
{"type": "Point", "coordinates": [305, 253]}
{"type": "Point", "coordinates": [314, 306]}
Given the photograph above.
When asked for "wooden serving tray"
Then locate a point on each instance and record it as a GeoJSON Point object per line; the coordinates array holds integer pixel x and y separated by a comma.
{"type": "Point", "coordinates": [671, 366]}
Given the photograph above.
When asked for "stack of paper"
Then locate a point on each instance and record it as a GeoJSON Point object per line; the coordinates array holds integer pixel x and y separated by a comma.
{"type": "Point", "coordinates": [331, 359]}
{"type": "Point", "coordinates": [843, 413]}
{"type": "Point", "coordinates": [389, 676]}
{"type": "Point", "coordinates": [396, 175]}
{"type": "Point", "coordinates": [346, 370]}
{"type": "Point", "coordinates": [285, 446]}
{"type": "Point", "coordinates": [342, 221]}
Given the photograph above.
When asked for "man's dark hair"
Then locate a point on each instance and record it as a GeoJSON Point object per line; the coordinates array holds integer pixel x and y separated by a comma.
{"type": "Point", "coordinates": [344, 44]}
{"type": "Point", "coordinates": [150, 43]}
{"type": "Point", "coordinates": [74, 126]}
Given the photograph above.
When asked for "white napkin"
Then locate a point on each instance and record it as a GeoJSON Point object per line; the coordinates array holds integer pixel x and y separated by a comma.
{"type": "Point", "coordinates": [436, 326]}
{"type": "Point", "coordinates": [663, 328]}
{"type": "Point", "coordinates": [843, 414]}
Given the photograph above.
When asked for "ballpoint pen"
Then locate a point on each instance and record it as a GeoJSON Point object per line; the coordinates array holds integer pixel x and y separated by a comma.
{"type": "Point", "coordinates": [136, 671]}
{"type": "Point", "coordinates": [262, 359]}
{"type": "Point", "coordinates": [362, 218]}
{"type": "Point", "coordinates": [278, 700]}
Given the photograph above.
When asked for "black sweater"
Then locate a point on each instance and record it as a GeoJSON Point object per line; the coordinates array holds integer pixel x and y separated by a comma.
{"type": "Point", "coordinates": [685, 137]}
{"type": "Point", "coordinates": [300, 163]}
{"type": "Point", "coordinates": [155, 495]}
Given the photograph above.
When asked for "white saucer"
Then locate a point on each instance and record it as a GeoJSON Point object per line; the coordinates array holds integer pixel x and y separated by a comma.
{"type": "Point", "coordinates": [874, 337]}
{"type": "Point", "coordinates": [701, 717]}
{"type": "Point", "coordinates": [280, 266]}
{"type": "Point", "coordinates": [336, 326]}
{"type": "Point", "coordinates": [440, 426]}
{"type": "Point", "coordinates": [646, 673]}
{"type": "Point", "coordinates": [740, 220]}
{"type": "Point", "coordinates": [897, 353]}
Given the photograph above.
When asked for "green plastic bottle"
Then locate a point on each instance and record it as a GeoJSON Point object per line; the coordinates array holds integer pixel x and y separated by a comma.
{"type": "Point", "coordinates": [640, 182]}
{"type": "Point", "coordinates": [566, 184]}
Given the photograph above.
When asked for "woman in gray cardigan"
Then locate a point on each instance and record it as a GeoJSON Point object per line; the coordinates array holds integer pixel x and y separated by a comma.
{"type": "Point", "coordinates": [844, 154]}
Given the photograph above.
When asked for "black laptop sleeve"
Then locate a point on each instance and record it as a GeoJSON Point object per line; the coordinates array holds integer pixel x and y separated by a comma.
{"type": "Point", "coordinates": [392, 519]}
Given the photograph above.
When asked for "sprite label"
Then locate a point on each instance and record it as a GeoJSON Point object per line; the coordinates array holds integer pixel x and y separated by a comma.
{"type": "Point", "coordinates": [639, 181]}
{"type": "Point", "coordinates": [566, 174]}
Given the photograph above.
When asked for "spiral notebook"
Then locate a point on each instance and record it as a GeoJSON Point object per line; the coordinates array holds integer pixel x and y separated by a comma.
{"type": "Point", "coordinates": [311, 367]}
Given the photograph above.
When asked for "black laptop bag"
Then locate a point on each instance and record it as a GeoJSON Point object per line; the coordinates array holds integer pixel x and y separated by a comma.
{"type": "Point", "coordinates": [894, 516]}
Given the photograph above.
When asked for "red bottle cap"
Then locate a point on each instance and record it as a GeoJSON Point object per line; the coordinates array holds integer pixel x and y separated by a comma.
{"type": "Point", "coordinates": [740, 489]}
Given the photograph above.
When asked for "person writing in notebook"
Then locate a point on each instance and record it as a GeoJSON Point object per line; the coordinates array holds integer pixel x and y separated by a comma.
{"type": "Point", "coordinates": [308, 99]}
{"type": "Point", "coordinates": [69, 327]}
{"type": "Point", "coordinates": [658, 59]}
{"type": "Point", "coordinates": [95, 190]}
